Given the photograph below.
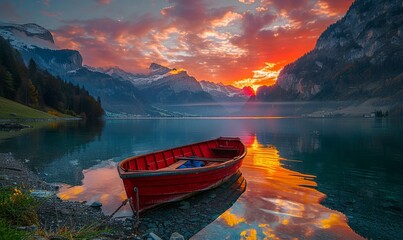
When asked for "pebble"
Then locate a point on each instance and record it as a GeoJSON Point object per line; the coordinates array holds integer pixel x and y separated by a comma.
{"type": "Point", "coordinates": [64, 211]}
{"type": "Point", "coordinates": [96, 205]}
{"type": "Point", "coordinates": [32, 228]}
{"type": "Point", "coordinates": [176, 236]}
{"type": "Point", "coordinates": [4, 177]}
{"type": "Point", "coordinates": [154, 236]}
{"type": "Point", "coordinates": [41, 193]}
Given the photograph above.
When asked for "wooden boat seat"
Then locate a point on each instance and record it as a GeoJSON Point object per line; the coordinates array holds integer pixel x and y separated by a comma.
{"type": "Point", "coordinates": [174, 165]}
{"type": "Point", "coordinates": [204, 159]}
{"type": "Point", "coordinates": [225, 149]}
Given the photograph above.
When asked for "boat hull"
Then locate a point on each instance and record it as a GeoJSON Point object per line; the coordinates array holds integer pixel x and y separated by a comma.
{"type": "Point", "coordinates": [162, 186]}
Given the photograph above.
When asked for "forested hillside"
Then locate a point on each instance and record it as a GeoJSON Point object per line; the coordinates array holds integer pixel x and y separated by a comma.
{"type": "Point", "coordinates": [39, 89]}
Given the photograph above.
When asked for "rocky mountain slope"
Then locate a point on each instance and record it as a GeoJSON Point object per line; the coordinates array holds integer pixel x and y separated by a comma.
{"type": "Point", "coordinates": [116, 96]}
{"type": "Point", "coordinates": [163, 85]}
{"type": "Point", "coordinates": [358, 58]}
{"type": "Point", "coordinates": [36, 42]}
{"type": "Point", "coordinates": [224, 93]}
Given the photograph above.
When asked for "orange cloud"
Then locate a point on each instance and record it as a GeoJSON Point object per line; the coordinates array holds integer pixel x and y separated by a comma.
{"type": "Point", "coordinates": [221, 44]}
{"type": "Point", "coordinates": [265, 76]}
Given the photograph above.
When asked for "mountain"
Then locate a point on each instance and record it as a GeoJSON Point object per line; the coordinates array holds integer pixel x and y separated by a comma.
{"type": "Point", "coordinates": [163, 85]}
{"type": "Point", "coordinates": [35, 42]}
{"type": "Point", "coordinates": [38, 89]}
{"type": "Point", "coordinates": [224, 93]}
{"type": "Point", "coordinates": [160, 92]}
{"type": "Point", "coordinates": [116, 96]}
{"type": "Point", "coordinates": [360, 57]}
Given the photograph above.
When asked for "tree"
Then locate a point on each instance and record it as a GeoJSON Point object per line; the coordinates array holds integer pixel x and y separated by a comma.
{"type": "Point", "coordinates": [33, 95]}
{"type": "Point", "coordinates": [7, 89]}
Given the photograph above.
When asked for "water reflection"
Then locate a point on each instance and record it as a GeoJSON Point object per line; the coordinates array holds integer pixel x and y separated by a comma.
{"type": "Point", "coordinates": [279, 204]}
{"type": "Point", "coordinates": [101, 183]}
{"type": "Point", "coordinates": [201, 209]}
{"type": "Point", "coordinates": [55, 150]}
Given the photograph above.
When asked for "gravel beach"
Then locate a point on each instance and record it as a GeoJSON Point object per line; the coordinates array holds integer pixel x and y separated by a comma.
{"type": "Point", "coordinates": [180, 220]}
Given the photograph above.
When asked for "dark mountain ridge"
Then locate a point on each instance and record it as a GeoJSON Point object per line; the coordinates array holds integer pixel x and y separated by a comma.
{"type": "Point", "coordinates": [357, 58]}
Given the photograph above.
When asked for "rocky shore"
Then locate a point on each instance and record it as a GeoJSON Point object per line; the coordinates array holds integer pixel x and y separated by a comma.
{"type": "Point", "coordinates": [175, 221]}
{"type": "Point", "coordinates": [54, 213]}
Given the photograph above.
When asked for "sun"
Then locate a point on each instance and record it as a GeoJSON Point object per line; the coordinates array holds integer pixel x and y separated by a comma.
{"type": "Point", "coordinates": [255, 87]}
{"type": "Point", "coordinates": [265, 76]}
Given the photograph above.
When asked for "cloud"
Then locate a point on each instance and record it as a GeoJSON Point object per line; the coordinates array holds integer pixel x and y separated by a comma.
{"type": "Point", "coordinates": [247, 1]}
{"type": "Point", "coordinates": [103, 2]}
{"type": "Point", "coordinates": [8, 11]}
{"type": "Point", "coordinates": [222, 44]}
{"type": "Point", "coordinates": [50, 14]}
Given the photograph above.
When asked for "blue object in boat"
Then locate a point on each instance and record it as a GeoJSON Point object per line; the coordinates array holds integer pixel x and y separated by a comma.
{"type": "Point", "coordinates": [191, 164]}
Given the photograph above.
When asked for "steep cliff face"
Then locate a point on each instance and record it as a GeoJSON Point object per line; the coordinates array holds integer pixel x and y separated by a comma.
{"type": "Point", "coordinates": [358, 57]}
{"type": "Point", "coordinates": [57, 62]}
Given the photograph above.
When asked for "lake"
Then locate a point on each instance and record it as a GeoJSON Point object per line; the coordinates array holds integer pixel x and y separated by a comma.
{"type": "Point", "coordinates": [306, 178]}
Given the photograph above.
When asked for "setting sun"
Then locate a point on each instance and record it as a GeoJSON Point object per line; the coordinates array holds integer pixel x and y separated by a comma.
{"type": "Point", "coordinates": [265, 76]}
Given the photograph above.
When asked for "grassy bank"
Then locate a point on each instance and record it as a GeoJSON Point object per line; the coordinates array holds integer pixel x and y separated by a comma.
{"type": "Point", "coordinates": [13, 110]}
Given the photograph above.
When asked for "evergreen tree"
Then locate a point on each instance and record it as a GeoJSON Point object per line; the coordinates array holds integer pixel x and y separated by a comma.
{"type": "Point", "coordinates": [39, 89]}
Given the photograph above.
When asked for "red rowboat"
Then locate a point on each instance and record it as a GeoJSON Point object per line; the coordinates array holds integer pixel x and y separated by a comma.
{"type": "Point", "coordinates": [173, 174]}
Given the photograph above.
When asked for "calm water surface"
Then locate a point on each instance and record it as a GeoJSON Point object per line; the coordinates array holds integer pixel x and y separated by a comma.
{"type": "Point", "coordinates": [306, 178]}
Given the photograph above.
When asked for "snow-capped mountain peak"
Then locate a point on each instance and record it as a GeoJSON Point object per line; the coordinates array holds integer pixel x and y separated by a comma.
{"type": "Point", "coordinates": [28, 35]}
{"type": "Point", "coordinates": [158, 69]}
{"type": "Point", "coordinates": [222, 92]}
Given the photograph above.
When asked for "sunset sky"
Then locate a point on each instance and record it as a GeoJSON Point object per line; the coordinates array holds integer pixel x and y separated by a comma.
{"type": "Point", "coordinates": [243, 42]}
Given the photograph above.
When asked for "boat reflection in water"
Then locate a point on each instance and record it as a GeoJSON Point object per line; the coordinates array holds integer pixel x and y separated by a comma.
{"type": "Point", "coordinates": [101, 183]}
{"type": "Point", "coordinates": [187, 217]}
{"type": "Point", "coordinates": [278, 204]}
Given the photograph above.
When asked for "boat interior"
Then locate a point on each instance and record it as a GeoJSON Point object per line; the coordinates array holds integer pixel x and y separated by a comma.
{"type": "Point", "coordinates": [209, 153]}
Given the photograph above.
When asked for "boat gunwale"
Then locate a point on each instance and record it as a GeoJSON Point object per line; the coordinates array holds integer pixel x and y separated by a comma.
{"type": "Point", "coordinates": [161, 172]}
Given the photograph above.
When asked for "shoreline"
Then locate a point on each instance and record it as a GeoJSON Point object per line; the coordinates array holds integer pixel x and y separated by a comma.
{"type": "Point", "coordinates": [53, 212]}
{"type": "Point", "coordinates": [13, 120]}
{"type": "Point", "coordinates": [179, 219]}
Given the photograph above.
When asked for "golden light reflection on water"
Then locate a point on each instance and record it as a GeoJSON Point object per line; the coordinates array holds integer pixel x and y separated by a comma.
{"type": "Point", "coordinates": [231, 219]}
{"type": "Point", "coordinates": [101, 184]}
{"type": "Point", "coordinates": [278, 204]}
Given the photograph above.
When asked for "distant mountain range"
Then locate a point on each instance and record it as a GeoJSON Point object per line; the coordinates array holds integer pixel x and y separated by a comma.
{"type": "Point", "coordinates": [360, 57]}
{"type": "Point", "coordinates": [119, 91]}
{"type": "Point", "coordinates": [357, 59]}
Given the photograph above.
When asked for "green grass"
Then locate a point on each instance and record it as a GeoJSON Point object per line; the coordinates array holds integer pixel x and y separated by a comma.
{"type": "Point", "coordinates": [13, 110]}
{"type": "Point", "coordinates": [18, 208]}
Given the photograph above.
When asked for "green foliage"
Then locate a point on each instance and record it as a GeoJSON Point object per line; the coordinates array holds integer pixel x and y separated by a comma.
{"type": "Point", "coordinates": [38, 89]}
{"type": "Point", "coordinates": [64, 232]}
{"type": "Point", "coordinates": [8, 232]}
{"type": "Point", "coordinates": [17, 207]}
{"type": "Point", "coordinates": [6, 83]}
